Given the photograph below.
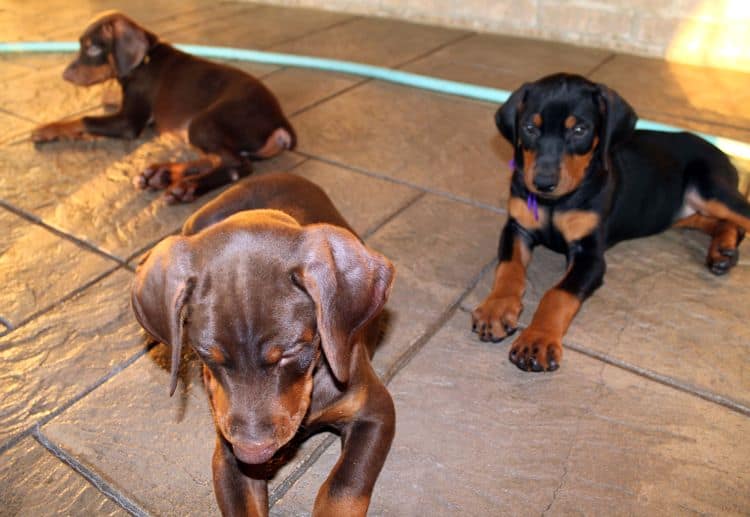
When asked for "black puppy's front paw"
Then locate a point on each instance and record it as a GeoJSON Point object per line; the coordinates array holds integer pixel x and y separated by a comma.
{"type": "Point", "coordinates": [536, 351]}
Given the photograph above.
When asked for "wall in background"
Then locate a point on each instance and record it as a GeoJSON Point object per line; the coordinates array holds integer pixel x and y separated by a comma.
{"type": "Point", "coordinates": [705, 32]}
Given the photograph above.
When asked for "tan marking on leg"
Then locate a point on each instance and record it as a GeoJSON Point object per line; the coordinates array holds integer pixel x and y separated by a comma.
{"type": "Point", "coordinates": [343, 410]}
{"type": "Point", "coordinates": [575, 224]}
{"type": "Point", "coordinates": [717, 209]}
{"type": "Point", "coordinates": [555, 312]}
{"type": "Point", "coordinates": [502, 307]}
{"type": "Point", "coordinates": [519, 210]}
{"type": "Point", "coordinates": [341, 506]}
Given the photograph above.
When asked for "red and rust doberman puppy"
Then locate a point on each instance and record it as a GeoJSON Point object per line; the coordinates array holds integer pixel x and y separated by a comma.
{"type": "Point", "coordinates": [584, 179]}
{"type": "Point", "coordinates": [280, 300]}
{"type": "Point", "coordinates": [225, 113]}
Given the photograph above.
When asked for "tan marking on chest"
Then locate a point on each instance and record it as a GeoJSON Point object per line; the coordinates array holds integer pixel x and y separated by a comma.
{"type": "Point", "coordinates": [575, 224]}
{"type": "Point", "coordinates": [519, 210]}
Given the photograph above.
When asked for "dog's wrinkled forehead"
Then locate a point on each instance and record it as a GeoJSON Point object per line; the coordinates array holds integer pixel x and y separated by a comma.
{"type": "Point", "coordinates": [246, 264]}
{"type": "Point", "coordinates": [563, 95]}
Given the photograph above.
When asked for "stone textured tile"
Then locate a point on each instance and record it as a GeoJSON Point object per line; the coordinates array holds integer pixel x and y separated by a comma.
{"type": "Point", "coordinates": [476, 436]}
{"type": "Point", "coordinates": [438, 247]}
{"type": "Point", "coordinates": [34, 482]}
{"type": "Point", "coordinates": [659, 309]}
{"type": "Point", "coordinates": [317, 86]}
{"type": "Point", "coordinates": [256, 27]}
{"type": "Point", "coordinates": [364, 201]}
{"type": "Point", "coordinates": [506, 62]}
{"type": "Point", "coordinates": [14, 127]}
{"type": "Point", "coordinates": [45, 96]}
{"type": "Point", "coordinates": [27, 249]}
{"type": "Point", "coordinates": [53, 359]}
{"type": "Point", "coordinates": [376, 41]}
{"type": "Point", "coordinates": [173, 438]}
{"type": "Point", "coordinates": [85, 189]}
{"type": "Point", "coordinates": [439, 142]}
{"type": "Point", "coordinates": [698, 98]}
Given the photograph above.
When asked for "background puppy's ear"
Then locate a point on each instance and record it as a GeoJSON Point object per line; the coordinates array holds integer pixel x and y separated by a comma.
{"type": "Point", "coordinates": [130, 45]}
{"type": "Point", "coordinates": [619, 121]}
{"type": "Point", "coordinates": [506, 118]}
{"type": "Point", "coordinates": [349, 284]}
{"type": "Point", "coordinates": [160, 296]}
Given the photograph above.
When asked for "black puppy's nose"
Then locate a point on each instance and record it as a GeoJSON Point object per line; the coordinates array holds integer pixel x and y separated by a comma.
{"type": "Point", "coordinates": [545, 183]}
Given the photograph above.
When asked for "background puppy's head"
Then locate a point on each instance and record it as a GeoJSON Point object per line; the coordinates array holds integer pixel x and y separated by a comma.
{"type": "Point", "coordinates": [264, 302]}
{"type": "Point", "coordinates": [110, 47]}
{"type": "Point", "coordinates": [559, 126]}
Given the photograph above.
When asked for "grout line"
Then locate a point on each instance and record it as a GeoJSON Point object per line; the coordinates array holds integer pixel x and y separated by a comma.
{"type": "Point", "coordinates": [664, 379]}
{"type": "Point", "coordinates": [76, 398]}
{"type": "Point", "coordinates": [370, 232]}
{"type": "Point", "coordinates": [441, 193]}
{"type": "Point", "coordinates": [30, 217]}
{"type": "Point", "coordinates": [105, 488]}
{"type": "Point", "coordinates": [283, 487]}
{"type": "Point", "coordinates": [438, 48]}
{"type": "Point", "coordinates": [339, 23]}
{"type": "Point", "coordinates": [329, 97]}
{"type": "Point", "coordinates": [72, 294]}
{"type": "Point", "coordinates": [603, 62]}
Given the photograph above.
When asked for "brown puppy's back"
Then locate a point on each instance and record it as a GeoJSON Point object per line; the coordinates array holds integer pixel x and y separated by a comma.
{"type": "Point", "coordinates": [302, 199]}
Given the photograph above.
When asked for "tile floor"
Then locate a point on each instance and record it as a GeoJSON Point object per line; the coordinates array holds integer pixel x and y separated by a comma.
{"type": "Point", "coordinates": [649, 414]}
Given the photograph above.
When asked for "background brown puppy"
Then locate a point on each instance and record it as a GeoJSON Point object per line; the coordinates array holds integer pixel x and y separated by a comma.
{"type": "Point", "coordinates": [281, 307]}
{"type": "Point", "coordinates": [584, 179]}
{"type": "Point", "coordinates": [224, 112]}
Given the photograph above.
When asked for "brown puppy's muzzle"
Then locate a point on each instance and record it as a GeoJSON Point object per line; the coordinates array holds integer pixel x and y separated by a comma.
{"type": "Point", "coordinates": [86, 75]}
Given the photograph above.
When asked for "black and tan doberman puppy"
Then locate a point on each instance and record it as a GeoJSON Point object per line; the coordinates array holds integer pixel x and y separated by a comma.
{"type": "Point", "coordinates": [225, 113]}
{"type": "Point", "coordinates": [279, 299]}
{"type": "Point", "coordinates": [584, 180]}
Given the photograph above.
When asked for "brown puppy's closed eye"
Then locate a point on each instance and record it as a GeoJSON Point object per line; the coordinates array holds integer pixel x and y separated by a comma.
{"type": "Point", "coordinates": [228, 115]}
{"type": "Point", "coordinates": [278, 312]}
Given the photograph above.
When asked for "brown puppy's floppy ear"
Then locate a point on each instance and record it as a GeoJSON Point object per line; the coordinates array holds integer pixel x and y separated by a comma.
{"type": "Point", "coordinates": [130, 44]}
{"type": "Point", "coordinates": [619, 120]}
{"type": "Point", "coordinates": [349, 284]}
{"type": "Point", "coordinates": [160, 296]}
{"type": "Point", "coordinates": [506, 118]}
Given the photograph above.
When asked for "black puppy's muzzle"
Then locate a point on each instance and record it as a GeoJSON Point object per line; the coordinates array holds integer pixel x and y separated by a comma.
{"type": "Point", "coordinates": [547, 165]}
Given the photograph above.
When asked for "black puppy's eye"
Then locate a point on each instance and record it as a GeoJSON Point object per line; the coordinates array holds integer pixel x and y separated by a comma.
{"type": "Point", "coordinates": [93, 51]}
{"type": "Point", "coordinates": [531, 129]}
{"type": "Point", "coordinates": [580, 130]}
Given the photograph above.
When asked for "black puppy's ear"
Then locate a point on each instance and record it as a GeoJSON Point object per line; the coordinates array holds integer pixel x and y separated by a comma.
{"type": "Point", "coordinates": [506, 118]}
{"type": "Point", "coordinates": [160, 296]}
{"type": "Point", "coordinates": [619, 120]}
{"type": "Point", "coordinates": [130, 45]}
{"type": "Point", "coordinates": [349, 284]}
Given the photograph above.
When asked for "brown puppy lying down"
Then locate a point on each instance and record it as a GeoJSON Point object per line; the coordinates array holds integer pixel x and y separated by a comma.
{"type": "Point", "coordinates": [224, 112]}
{"type": "Point", "coordinates": [278, 297]}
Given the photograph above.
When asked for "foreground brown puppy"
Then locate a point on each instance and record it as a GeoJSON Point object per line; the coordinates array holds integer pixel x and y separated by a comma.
{"type": "Point", "coordinates": [270, 287]}
{"type": "Point", "coordinates": [224, 112]}
{"type": "Point", "coordinates": [584, 180]}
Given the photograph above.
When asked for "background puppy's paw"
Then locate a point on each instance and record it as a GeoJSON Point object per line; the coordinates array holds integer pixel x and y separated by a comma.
{"type": "Point", "coordinates": [496, 317]}
{"type": "Point", "coordinates": [536, 351]}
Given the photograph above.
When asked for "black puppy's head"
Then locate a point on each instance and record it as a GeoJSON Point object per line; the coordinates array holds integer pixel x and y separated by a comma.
{"type": "Point", "coordinates": [559, 127]}
{"type": "Point", "coordinates": [110, 47]}
{"type": "Point", "coordinates": [264, 302]}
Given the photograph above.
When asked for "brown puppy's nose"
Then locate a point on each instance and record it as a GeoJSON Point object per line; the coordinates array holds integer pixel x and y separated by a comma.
{"type": "Point", "coordinates": [254, 452]}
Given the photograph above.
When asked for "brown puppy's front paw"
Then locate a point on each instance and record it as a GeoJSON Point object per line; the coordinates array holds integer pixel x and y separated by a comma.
{"type": "Point", "coordinates": [180, 192]}
{"type": "Point", "coordinates": [71, 130]}
{"type": "Point", "coordinates": [496, 317]}
{"type": "Point", "coordinates": [536, 351]}
{"type": "Point", "coordinates": [155, 177]}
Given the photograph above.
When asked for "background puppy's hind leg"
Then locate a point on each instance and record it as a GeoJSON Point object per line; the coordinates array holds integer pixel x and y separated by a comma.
{"type": "Point", "coordinates": [725, 238]}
